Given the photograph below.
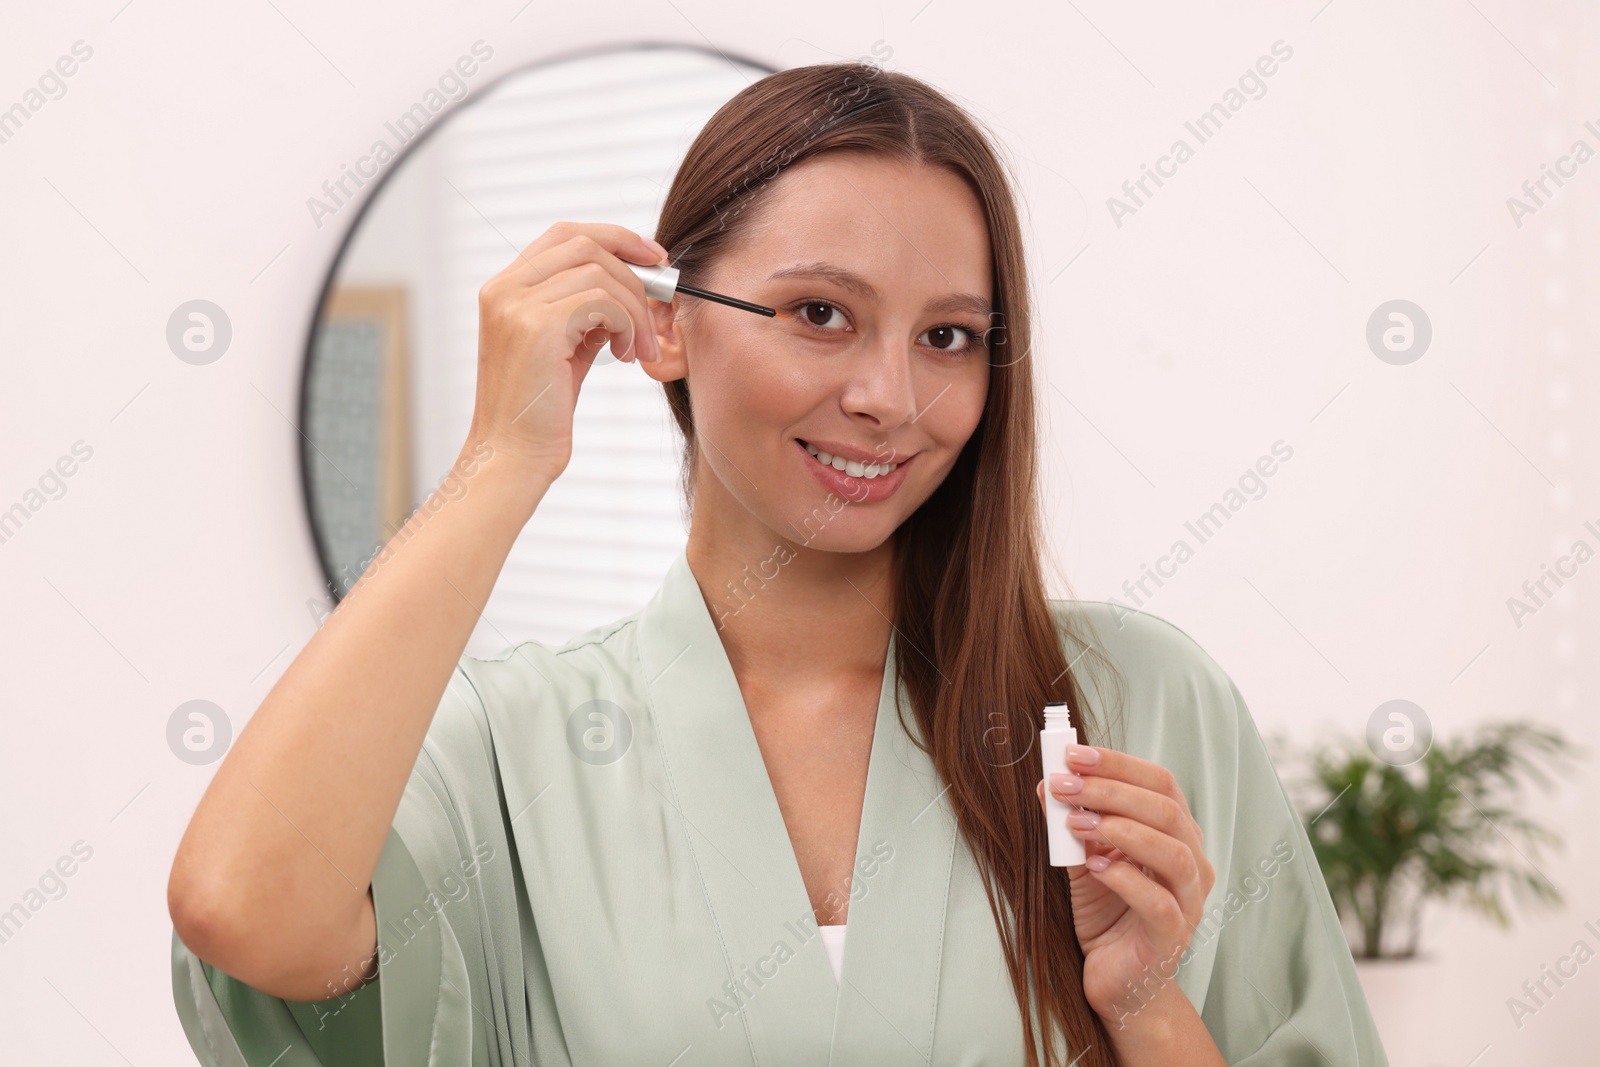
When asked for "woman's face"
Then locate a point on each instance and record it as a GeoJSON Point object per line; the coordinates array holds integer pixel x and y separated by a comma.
{"type": "Point", "coordinates": [884, 268]}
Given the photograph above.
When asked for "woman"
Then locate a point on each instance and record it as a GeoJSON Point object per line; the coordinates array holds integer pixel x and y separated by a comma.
{"type": "Point", "coordinates": [642, 847]}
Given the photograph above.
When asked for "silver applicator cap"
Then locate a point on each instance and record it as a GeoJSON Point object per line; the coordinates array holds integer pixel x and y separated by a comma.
{"type": "Point", "coordinates": [660, 282]}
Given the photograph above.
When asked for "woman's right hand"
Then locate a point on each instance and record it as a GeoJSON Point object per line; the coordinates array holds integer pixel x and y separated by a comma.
{"type": "Point", "coordinates": [541, 321]}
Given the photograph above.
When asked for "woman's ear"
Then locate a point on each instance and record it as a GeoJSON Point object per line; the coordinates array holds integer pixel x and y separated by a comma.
{"type": "Point", "coordinates": [673, 363]}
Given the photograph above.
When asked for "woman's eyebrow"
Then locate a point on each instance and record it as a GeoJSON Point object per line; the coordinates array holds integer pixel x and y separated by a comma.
{"type": "Point", "coordinates": [855, 283]}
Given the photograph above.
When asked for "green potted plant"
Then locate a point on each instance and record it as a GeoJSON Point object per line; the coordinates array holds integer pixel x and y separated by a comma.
{"type": "Point", "coordinates": [1447, 827]}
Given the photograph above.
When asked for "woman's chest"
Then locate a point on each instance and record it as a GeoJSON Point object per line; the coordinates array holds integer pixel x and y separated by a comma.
{"type": "Point", "coordinates": [662, 887]}
{"type": "Point", "coordinates": [710, 951]}
{"type": "Point", "coordinates": [816, 760]}
{"type": "Point", "coordinates": [664, 910]}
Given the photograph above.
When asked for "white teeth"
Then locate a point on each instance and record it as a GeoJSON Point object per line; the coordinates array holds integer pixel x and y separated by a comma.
{"type": "Point", "coordinates": [850, 466]}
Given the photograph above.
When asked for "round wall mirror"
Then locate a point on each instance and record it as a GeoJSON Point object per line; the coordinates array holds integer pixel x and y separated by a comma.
{"type": "Point", "coordinates": [391, 365]}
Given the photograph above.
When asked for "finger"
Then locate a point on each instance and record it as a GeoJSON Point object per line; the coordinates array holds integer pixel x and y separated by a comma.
{"type": "Point", "coordinates": [1074, 870]}
{"type": "Point", "coordinates": [1110, 763]}
{"type": "Point", "coordinates": [583, 256]}
{"type": "Point", "coordinates": [1113, 796]}
{"type": "Point", "coordinates": [1151, 902]}
{"type": "Point", "coordinates": [566, 246]}
{"type": "Point", "coordinates": [1172, 861]}
{"type": "Point", "coordinates": [1136, 802]}
{"type": "Point", "coordinates": [527, 267]}
{"type": "Point", "coordinates": [1044, 803]}
{"type": "Point", "coordinates": [589, 309]}
{"type": "Point", "coordinates": [579, 268]}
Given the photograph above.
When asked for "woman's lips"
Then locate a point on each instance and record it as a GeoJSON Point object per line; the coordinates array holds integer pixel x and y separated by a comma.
{"type": "Point", "coordinates": [854, 489]}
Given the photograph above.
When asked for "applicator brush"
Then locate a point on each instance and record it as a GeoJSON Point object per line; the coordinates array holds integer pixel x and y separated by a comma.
{"type": "Point", "coordinates": [661, 282]}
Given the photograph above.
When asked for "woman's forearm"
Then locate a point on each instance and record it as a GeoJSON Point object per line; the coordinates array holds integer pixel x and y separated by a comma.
{"type": "Point", "coordinates": [270, 880]}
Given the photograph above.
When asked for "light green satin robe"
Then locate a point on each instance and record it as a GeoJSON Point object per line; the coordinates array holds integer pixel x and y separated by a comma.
{"type": "Point", "coordinates": [578, 883]}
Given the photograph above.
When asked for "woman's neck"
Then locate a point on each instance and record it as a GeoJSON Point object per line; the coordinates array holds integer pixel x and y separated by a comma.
{"type": "Point", "coordinates": [784, 610]}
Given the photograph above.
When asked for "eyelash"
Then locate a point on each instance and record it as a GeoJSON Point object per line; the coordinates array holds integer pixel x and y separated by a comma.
{"type": "Point", "coordinates": [975, 335]}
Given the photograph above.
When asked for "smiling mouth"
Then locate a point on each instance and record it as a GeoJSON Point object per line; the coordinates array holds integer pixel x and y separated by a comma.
{"type": "Point", "coordinates": [867, 471]}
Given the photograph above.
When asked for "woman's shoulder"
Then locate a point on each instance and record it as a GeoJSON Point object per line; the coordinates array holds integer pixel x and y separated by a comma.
{"type": "Point", "coordinates": [1142, 639]}
{"type": "Point", "coordinates": [531, 661]}
{"type": "Point", "coordinates": [1173, 686]}
{"type": "Point", "coordinates": [519, 695]}
{"type": "Point", "coordinates": [531, 674]}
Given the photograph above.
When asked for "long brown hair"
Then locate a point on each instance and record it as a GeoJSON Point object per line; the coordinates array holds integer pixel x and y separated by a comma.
{"type": "Point", "coordinates": [980, 651]}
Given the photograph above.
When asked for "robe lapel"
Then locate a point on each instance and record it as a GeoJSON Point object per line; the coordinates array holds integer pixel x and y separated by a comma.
{"type": "Point", "coordinates": [780, 987]}
{"type": "Point", "coordinates": [895, 934]}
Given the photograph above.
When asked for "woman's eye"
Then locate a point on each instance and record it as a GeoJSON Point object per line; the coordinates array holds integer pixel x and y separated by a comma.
{"type": "Point", "coordinates": [808, 307]}
{"type": "Point", "coordinates": [952, 338]}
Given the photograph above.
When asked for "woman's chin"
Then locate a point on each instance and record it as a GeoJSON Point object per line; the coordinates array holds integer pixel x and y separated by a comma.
{"type": "Point", "coordinates": [838, 535]}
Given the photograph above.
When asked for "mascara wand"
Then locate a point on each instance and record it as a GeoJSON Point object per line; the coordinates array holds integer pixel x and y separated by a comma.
{"type": "Point", "coordinates": [661, 282]}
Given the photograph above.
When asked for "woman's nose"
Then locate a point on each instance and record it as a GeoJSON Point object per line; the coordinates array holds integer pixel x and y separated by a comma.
{"type": "Point", "coordinates": [882, 386]}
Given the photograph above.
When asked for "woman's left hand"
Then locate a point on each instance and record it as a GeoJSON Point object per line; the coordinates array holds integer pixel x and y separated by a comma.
{"type": "Point", "coordinates": [1135, 918]}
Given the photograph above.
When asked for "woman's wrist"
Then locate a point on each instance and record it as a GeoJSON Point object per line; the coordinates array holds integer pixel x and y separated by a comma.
{"type": "Point", "coordinates": [517, 481]}
{"type": "Point", "coordinates": [1165, 1030]}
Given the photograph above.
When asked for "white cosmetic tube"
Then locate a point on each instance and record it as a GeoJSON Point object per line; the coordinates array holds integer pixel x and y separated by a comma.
{"type": "Point", "coordinates": [1066, 849]}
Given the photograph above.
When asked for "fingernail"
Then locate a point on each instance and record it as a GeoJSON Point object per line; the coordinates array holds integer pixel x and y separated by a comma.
{"type": "Point", "coordinates": [1083, 820]}
{"type": "Point", "coordinates": [660, 248]}
{"type": "Point", "coordinates": [1065, 783]}
{"type": "Point", "coordinates": [1084, 754]}
{"type": "Point", "coordinates": [1097, 863]}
